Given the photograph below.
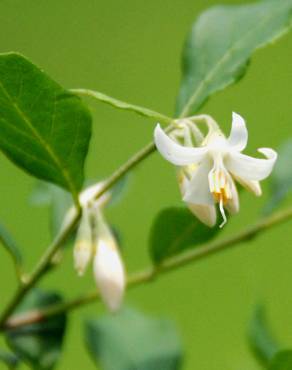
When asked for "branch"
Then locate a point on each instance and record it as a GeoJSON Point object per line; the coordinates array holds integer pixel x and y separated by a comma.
{"type": "Point", "coordinates": [152, 273]}
{"type": "Point", "coordinates": [123, 105]}
{"type": "Point", "coordinates": [45, 260]}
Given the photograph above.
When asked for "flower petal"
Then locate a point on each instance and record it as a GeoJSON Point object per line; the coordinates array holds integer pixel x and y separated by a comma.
{"type": "Point", "coordinates": [206, 214]}
{"type": "Point", "coordinates": [238, 135]}
{"type": "Point", "coordinates": [175, 153]}
{"type": "Point", "coordinates": [232, 205]}
{"type": "Point", "coordinates": [197, 190]}
{"type": "Point", "coordinates": [249, 168]}
{"type": "Point", "coordinates": [252, 186]}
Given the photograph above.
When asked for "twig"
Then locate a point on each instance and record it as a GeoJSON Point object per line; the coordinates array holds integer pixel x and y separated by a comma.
{"type": "Point", "coordinates": [152, 273]}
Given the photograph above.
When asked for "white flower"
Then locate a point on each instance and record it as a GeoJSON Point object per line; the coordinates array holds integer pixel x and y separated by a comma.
{"type": "Point", "coordinates": [109, 270]}
{"type": "Point", "coordinates": [214, 166]}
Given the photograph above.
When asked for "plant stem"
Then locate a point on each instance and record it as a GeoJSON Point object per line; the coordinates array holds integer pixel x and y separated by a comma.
{"type": "Point", "coordinates": [123, 105]}
{"type": "Point", "coordinates": [129, 165]}
{"type": "Point", "coordinates": [152, 273]}
{"type": "Point", "coordinates": [49, 253]}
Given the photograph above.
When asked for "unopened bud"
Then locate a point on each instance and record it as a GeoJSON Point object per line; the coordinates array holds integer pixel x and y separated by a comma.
{"type": "Point", "coordinates": [83, 245]}
{"type": "Point", "coordinates": [109, 270]}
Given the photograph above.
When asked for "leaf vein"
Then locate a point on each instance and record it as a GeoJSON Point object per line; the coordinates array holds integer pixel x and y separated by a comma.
{"type": "Point", "coordinates": [42, 141]}
{"type": "Point", "coordinates": [218, 65]}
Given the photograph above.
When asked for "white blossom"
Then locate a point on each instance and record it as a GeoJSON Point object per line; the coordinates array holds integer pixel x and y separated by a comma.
{"type": "Point", "coordinates": [210, 170]}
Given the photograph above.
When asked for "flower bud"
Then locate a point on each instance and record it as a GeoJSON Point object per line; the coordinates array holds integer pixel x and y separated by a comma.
{"type": "Point", "coordinates": [88, 194]}
{"type": "Point", "coordinates": [83, 244]}
{"type": "Point", "coordinates": [108, 268]}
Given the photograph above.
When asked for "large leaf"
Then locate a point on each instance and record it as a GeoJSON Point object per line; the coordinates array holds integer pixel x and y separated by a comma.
{"type": "Point", "coordinates": [175, 230]}
{"type": "Point", "coordinates": [39, 344]}
{"type": "Point", "coordinates": [281, 177]}
{"type": "Point", "coordinates": [282, 361]}
{"type": "Point", "coordinates": [44, 128]}
{"type": "Point", "coordinates": [220, 44]}
{"type": "Point", "coordinates": [132, 341]}
{"type": "Point", "coordinates": [261, 340]}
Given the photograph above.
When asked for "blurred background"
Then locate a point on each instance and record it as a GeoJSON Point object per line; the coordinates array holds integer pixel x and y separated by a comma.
{"type": "Point", "coordinates": [131, 49]}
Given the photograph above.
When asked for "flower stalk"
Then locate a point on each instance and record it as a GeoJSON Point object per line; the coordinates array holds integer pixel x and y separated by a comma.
{"type": "Point", "coordinates": [150, 274]}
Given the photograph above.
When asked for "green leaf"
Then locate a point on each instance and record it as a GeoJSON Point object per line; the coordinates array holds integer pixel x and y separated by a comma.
{"type": "Point", "coordinates": [174, 230]}
{"type": "Point", "coordinates": [220, 44]}
{"type": "Point", "coordinates": [58, 200]}
{"type": "Point", "coordinates": [39, 344]}
{"type": "Point", "coordinates": [281, 178]}
{"type": "Point", "coordinates": [132, 341]}
{"type": "Point", "coordinates": [282, 361]}
{"type": "Point", "coordinates": [119, 190]}
{"type": "Point", "coordinates": [44, 128]}
{"type": "Point", "coordinates": [9, 359]}
{"type": "Point", "coordinates": [10, 245]}
{"type": "Point", "coordinates": [261, 340]}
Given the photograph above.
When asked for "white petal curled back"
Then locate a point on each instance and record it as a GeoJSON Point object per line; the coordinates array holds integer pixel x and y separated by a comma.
{"type": "Point", "coordinates": [238, 135]}
{"type": "Point", "coordinates": [82, 251]}
{"type": "Point", "coordinates": [109, 273]}
{"type": "Point", "coordinates": [249, 168]}
{"type": "Point", "coordinates": [177, 154]}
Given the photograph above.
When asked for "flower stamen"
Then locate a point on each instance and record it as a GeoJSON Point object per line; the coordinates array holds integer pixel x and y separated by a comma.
{"type": "Point", "coordinates": [222, 211]}
{"type": "Point", "coordinates": [220, 189]}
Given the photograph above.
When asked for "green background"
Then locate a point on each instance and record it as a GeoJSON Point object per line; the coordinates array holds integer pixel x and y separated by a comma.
{"type": "Point", "coordinates": [131, 49]}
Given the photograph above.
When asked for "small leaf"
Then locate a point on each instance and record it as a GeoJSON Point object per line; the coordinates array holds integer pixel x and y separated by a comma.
{"type": "Point", "coordinates": [39, 344]}
{"type": "Point", "coordinates": [220, 44]}
{"type": "Point", "coordinates": [9, 359]}
{"type": "Point", "coordinates": [132, 341]}
{"type": "Point", "coordinates": [10, 245]}
{"type": "Point", "coordinates": [281, 361]}
{"type": "Point", "coordinates": [261, 340]}
{"type": "Point", "coordinates": [59, 201]}
{"type": "Point", "coordinates": [118, 190]}
{"type": "Point", "coordinates": [44, 129]}
{"type": "Point", "coordinates": [175, 230]}
{"type": "Point", "coordinates": [281, 177]}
